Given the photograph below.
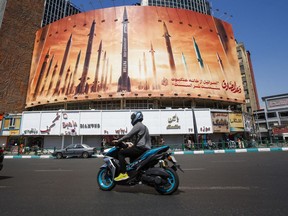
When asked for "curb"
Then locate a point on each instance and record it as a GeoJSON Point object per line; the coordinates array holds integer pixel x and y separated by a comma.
{"type": "Point", "coordinates": [196, 152]}
{"type": "Point", "coordinates": [224, 151]}
{"type": "Point", "coordinates": [38, 156]}
{"type": "Point", "coordinates": [27, 157]}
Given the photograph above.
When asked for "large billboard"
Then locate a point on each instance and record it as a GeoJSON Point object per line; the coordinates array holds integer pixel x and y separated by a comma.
{"type": "Point", "coordinates": [135, 52]}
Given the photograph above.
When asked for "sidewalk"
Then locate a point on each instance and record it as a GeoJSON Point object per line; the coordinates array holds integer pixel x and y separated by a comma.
{"type": "Point", "coordinates": [8, 155]}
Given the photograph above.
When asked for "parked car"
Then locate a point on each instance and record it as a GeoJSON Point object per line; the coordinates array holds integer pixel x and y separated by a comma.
{"type": "Point", "coordinates": [1, 158]}
{"type": "Point", "coordinates": [75, 150]}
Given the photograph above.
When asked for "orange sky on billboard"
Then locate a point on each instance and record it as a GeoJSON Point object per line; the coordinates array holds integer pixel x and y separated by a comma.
{"type": "Point", "coordinates": [145, 50]}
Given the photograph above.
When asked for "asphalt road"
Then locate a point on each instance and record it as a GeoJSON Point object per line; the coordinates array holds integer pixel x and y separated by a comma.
{"type": "Point", "coordinates": [217, 184]}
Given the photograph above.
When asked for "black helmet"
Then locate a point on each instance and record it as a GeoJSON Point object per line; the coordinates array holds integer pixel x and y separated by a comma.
{"type": "Point", "coordinates": [136, 117]}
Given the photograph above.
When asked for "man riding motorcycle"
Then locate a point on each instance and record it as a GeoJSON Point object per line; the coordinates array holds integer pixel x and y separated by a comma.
{"type": "Point", "coordinates": [142, 143]}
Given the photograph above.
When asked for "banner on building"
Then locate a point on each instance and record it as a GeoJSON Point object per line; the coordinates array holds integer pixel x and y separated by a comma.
{"type": "Point", "coordinates": [248, 124]}
{"type": "Point", "coordinates": [117, 123]}
{"type": "Point", "coordinates": [220, 121]}
{"type": "Point", "coordinates": [280, 129]}
{"type": "Point", "coordinates": [236, 122]}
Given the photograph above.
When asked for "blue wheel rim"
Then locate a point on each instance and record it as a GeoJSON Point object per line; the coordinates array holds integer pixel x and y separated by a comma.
{"type": "Point", "coordinates": [171, 182]}
{"type": "Point", "coordinates": [104, 180]}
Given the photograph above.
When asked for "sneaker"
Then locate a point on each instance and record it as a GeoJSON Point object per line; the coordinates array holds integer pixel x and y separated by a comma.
{"type": "Point", "coordinates": [121, 177]}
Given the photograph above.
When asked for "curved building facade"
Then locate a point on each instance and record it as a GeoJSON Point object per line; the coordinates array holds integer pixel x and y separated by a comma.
{"type": "Point", "coordinates": [135, 57]}
{"type": "Point", "coordinates": [90, 71]}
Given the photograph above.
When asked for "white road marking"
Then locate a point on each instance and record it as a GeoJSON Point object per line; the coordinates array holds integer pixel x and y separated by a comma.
{"type": "Point", "coordinates": [58, 170]}
{"type": "Point", "coordinates": [193, 169]}
{"type": "Point", "coordinates": [232, 161]}
{"type": "Point", "coordinates": [216, 188]}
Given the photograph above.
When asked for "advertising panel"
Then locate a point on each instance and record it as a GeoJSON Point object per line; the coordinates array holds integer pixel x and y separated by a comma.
{"type": "Point", "coordinates": [153, 120]}
{"type": "Point", "coordinates": [75, 123]}
{"type": "Point", "coordinates": [277, 130]}
{"type": "Point", "coordinates": [90, 123]}
{"type": "Point", "coordinates": [134, 51]}
{"type": "Point", "coordinates": [30, 124]}
{"type": "Point", "coordinates": [116, 123]}
{"type": "Point", "coordinates": [220, 121]}
{"type": "Point", "coordinates": [248, 124]}
{"type": "Point", "coordinates": [277, 103]}
{"type": "Point", "coordinates": [203, 120]}
{"type": "Point", "coordinates": [176, 121]}
{"type": "Point", "coordinates": [70, 123]}
{"type": "Point", "coordinates": [236, 122]}
{"type": "Point", "coordinates": [50, 123]}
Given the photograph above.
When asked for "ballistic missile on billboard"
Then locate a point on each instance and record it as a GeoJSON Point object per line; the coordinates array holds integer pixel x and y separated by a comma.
{"type": "Point", "coordinates": [106, 75]}
{"type": "Point", "coordinates": [71, 88]}
{"type": "Point", "coordinates": [155, 84]}
{"type": "Point", "coordinates": [185, 65]}
{"type": "Point", "coordinates": [221, 65]}
{"type": "Point", "coordinates": [145, 72]}
{"type": "Point", "coordinates": [83, 85]}
{"type": "Point", "coordinates": [169, 49]}
{"type": "Point", "coordinates": [110, 75]}
{"type": "Point", "coordinates": [220, 62]}
{"type": "Point", "coordinates": [52, 79]}
{"type": "Point", "coordinates": [103, 71]}
{"type": "Point", "coordinates": [66, 82]}
{"type": "Point", "coordinates": [140, 86]}
{"type": "Point", "coordinates": [60, 81]}
{"type": "Point", "coordinates": [198, 54]}
{"type": "Point", "coordinates": [40, 45]}
{"type": "Point", "coordinates": [96, 79]}
{"type": "Point", "coordinates": [67, 87]}
{"type": "Point", "coordinates": [47, 77]}
{"type": "Point", "coordinates": [124, 80]}
{"type": "Point", "coordinates": [41, 75]}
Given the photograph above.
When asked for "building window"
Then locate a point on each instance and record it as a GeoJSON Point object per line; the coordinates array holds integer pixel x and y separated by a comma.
{"type": "Point", "coordinates": [283, 114]}
{"type": "Point", "coordinates": [260, 116]}
{"type": "Point", "coordinates": [139, 104]}
{"type": "Point", "coordinates": [271, 115]}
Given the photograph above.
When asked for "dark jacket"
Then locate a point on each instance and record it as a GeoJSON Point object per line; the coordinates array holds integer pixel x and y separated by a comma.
{"type": "Point", "coordinates": [142, 138]}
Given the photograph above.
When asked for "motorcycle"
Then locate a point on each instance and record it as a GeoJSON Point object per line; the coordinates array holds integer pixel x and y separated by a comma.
{"type": "Point", "coordinates": [151, 169]}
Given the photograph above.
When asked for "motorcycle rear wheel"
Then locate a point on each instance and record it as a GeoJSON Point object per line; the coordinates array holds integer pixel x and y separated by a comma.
{"type": "Point", "coordinates": [105, 179]}
{"type": "Point", "coordinates": [172, 183]}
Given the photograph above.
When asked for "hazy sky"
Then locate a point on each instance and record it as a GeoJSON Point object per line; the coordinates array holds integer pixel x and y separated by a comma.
{"type": "Point", "coordinates": [260, 24]}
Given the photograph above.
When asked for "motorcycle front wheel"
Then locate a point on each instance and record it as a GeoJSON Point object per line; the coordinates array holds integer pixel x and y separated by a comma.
{"type": "Point", "coordinates": [105, 179]}
{"type": "Point", "coordinates": [172, 183]}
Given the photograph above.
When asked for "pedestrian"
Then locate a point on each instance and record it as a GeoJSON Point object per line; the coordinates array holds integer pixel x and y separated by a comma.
{"type": "Point", "coordinates": [162, 141]}
{"type": "Point", "coordinates": [240, 143]}
{"type": "Point", "coordinates": [103, 144]}
{"type": "Point", "coordinates": [21, 150]}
